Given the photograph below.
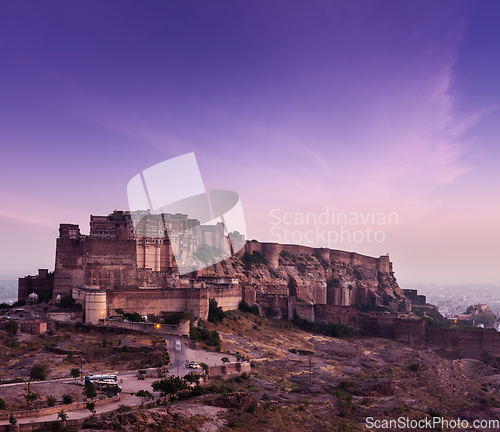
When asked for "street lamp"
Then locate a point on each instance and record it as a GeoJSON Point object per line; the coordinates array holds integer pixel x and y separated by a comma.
{"type": "Point", "coordinates": [29, 381]}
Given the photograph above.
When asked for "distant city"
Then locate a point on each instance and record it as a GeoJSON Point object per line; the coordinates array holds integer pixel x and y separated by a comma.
{"type": "Point", "coordinates": [8, 291]}
{"type": "Point", "coordinates": [454, 299]}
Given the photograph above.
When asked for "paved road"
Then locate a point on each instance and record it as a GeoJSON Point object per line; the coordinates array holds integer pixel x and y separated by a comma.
{"type": "Point", "coordinates": [130, 384]}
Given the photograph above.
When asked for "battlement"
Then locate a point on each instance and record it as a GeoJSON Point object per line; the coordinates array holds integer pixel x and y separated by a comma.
{"type": "Point", "coordinates": [271, 252]}
{"type": "Point", "coordinates": [69, 231]}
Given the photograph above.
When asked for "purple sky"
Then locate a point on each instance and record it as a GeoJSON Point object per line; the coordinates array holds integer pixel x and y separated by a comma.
{"type": "Point", "coordinates": [298, 106]}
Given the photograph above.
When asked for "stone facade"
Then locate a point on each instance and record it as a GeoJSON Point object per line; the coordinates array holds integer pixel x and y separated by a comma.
{"type": "Point", "coordinates": [42, 285]}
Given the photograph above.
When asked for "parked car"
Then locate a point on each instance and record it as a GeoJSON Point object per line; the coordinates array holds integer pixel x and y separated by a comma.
{"type": "Point", "coordinates": [178, 346]}
{"type": "Point", "coordinates": [194, 364]}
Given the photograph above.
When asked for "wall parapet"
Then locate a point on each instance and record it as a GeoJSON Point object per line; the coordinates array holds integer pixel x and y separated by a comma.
{"type": "Point", "coordinates": [55, 409]}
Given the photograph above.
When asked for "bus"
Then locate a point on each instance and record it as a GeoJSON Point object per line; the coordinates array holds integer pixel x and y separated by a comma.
{"type": "Point", "coordinates": [108, 383]}
{"type": "Point", "coordinates": [112, 378]}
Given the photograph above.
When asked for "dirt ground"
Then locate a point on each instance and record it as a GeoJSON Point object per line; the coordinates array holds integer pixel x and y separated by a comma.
{"type": "Point", "coordinates": [299, 381]}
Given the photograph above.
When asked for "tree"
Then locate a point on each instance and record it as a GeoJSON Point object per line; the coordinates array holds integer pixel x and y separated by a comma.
{"type": "Point", "coordinates": [62, 415]}
{"type": "Point", "coordinates": [3, 404]}
{"type": "Point", "coordinates": [225, 360]}
{"type": "Point", "coordinates": [67, 302]}
{"type": "Point", "coordinates": [144, 395]}
{"type": "Point", "coordinates": [112, 389]}
{"type": "Point", "coordinates": [12, 420]}
{"type": "Point", "coordinates": [31, 397]}
{"type": "Point", "coordinates": [89, 391]}
{"type": "Point", "coordinates": [133, 317]}
{"type": "Point", "coordinates": [171, 385]}
{"type": "Point", "coordinates": [160, 362]}
{"type": "Point", "coordinates": [51, 400]}
{"type": "Point", "coordinates": [39, 371]}
{"type": "Point", "coordinates": [74, 372]}
{"type": "Point", "coordinates": [91, 407]}
{"type": "Point", "coordinates": [12, 327]}
{"type": "Point", "coordinates": [215, 312]}
{"type": "Point", "coordinates": [192, 378]}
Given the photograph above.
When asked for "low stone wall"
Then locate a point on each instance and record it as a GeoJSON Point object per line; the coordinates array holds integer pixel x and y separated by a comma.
{"type": "Point", "coordinates": [48, 425]}
{"type": "Point", "coordinates": [55, 409]}
{"type": "Point", "coordinates": [229, 370]}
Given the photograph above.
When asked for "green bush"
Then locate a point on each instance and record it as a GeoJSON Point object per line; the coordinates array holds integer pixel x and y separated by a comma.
{"type": "Point", "coordinates": [67, 399]}
{"type": "Point", "coordinates": [133, 317]}
{"type": "Point", "coordinates": [215, 312]}
{"type": "Point", "coordinates": [89, 391]}
{"type": "Point", "coordinates": [211, 338]}
{"type": "Point", "coordinates": [254, 258]}
{"type": "Point", "coordinates": [67, 302]}
{"type": "Point", "coordinates": [245, 307]}
{"type": "Point", "coordinates": [3, 404]}
{"type": "Point", "coordinates": [39, 371]}
{"type": "Point", "coordinates": [11, 327]}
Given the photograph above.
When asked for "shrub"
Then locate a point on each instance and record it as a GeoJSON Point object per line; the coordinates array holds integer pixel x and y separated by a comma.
{"type": "Point", "coordinates": [251, 408]}
{"type": "Point", "coordinates": [125, 408]}
{"type": "Point", "coordinates": [215, 312]}
{"type": "Point", "coordinates": [39, 371]}
{"type": "Point", "coordinates": [89, 391]}
{"type": "Point", "coordinates": [254, 258]}
{"type": "Point", "coordinates": [3, 404]}
{"type": "Point", "coordinates": [51, 400]}
{"type": "Point", "coordinates": [245, 307]}
{"type": "Point", "coordinates": [12, 327]}
{"type": "Point", "coordinates": [133, 317]}
{"type": "Point", "coordinates": [91, 407]}
{"type": "Point", "coordinates": [160, 361]}
{"type": "Point", "coordinates": [171, 385]}
{"type": "Point", "coordinates": [211, 338]}
{"type": "Point", "coordinates": [67, 399]}
{"type": "Point", "coordinates": [67, 302]}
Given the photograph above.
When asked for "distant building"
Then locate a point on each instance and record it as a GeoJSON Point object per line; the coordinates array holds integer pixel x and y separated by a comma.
{"type": "Point", "coordinates": [33, 326]}
{"type": "Point", "coordinates": [41, 284]}
{"type": "Point", "coordinates": [416, 299]}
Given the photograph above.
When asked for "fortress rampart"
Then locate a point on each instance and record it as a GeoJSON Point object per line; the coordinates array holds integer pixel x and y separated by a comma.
{"type": "Point", "coordinates": [271, 252]}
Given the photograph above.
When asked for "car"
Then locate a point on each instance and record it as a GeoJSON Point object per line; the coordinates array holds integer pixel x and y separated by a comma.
{"type": "Point", "coordinates": [178, 346]}
{"type": "Point", "coordinates": [141, 377]}
{"type": "Point", "coordinates": [194, 364]}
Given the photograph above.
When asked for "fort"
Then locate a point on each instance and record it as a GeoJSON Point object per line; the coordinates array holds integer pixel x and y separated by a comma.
{"type": "Point", "coordinates": [128, 262]}
{"type": "Point", "coordinates": [122, 265]}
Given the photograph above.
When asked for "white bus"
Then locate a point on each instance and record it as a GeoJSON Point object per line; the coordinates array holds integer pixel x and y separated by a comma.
{"type": "Point", "coordinates": [91, 378]}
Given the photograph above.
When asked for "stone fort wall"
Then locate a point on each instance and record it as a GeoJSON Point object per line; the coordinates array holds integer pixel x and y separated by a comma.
{"type": "Point", "coordinates": [271, 252]}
